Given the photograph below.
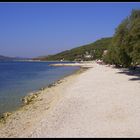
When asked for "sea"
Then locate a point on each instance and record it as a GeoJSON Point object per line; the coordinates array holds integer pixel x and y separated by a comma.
{"type": "Point", "coordinates": [19, 78]}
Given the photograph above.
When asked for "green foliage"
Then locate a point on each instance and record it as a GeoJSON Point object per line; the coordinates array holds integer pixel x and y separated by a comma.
{"type": "Point", "coordinates": [125, 46]}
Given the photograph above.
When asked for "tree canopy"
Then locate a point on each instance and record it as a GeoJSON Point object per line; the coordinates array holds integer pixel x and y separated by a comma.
{"type": "Point", "coordinates": [125, 46]}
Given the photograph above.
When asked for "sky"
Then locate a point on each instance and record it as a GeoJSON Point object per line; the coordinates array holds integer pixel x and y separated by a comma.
{"type": "Point", "coordinates": [38, 29]}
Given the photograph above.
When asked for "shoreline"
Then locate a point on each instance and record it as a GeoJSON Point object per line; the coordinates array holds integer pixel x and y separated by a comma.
{"type": "Point", "coordinates": [37, 96]}
{"type": "Point", "coordinates": [31, 96]}
{"type": "Point", "coordinates": [99, 102]}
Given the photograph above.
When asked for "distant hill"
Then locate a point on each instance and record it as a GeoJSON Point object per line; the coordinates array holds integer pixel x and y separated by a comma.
{"type": "Point", "coordinates": [7, 58]}
{"type": "Point", "coordinates": [87, 52]}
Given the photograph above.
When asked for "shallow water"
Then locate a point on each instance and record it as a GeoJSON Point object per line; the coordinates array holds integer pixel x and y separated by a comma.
{"type": "Point", "coordinates": [17, 79]}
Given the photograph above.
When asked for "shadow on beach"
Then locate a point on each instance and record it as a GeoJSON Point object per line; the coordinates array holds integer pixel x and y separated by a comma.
{"type": "Point", "coordinates": [131, 72]}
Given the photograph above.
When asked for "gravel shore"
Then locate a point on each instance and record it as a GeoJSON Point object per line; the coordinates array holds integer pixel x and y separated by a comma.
{"type": "Point", "coordinates": [99, 102]}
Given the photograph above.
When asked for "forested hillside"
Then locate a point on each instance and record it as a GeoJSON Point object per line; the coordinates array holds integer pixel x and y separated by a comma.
{"type": "Point", "coordinates": [122, 50]}
{"type": "Point", "coordinates": [87, 52]}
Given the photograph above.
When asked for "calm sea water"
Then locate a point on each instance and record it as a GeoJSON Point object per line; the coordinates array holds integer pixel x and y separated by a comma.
{"type": "Point", "coordinates": [17, 79]}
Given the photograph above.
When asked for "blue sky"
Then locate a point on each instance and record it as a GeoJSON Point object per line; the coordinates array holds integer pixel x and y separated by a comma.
{"type": "Point", "coordinates": [36, 29]}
